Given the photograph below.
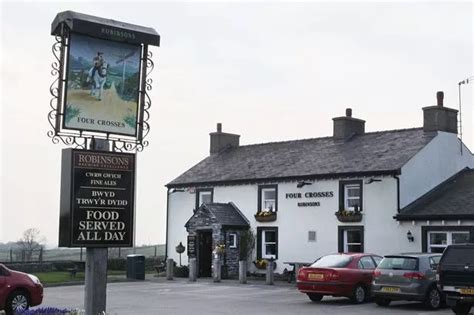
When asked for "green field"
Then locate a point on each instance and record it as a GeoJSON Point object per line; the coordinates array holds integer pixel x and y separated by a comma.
{"type": "Point", "coordinates": [74, 254]}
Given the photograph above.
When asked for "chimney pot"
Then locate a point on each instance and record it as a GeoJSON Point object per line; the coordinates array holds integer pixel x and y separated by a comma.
{"type": "Point", "coordinates": [348, 112]}
{"type": "Point", "coordinates": [440, 98]}
{"type": "Point", "coordinates": [219, 127]}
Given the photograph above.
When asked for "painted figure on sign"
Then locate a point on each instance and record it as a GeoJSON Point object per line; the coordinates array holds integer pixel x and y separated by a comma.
{"type": "Point", "coordinates": [98, 75]}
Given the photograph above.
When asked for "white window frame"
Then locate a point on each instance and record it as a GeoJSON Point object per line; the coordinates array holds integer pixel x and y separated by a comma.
{"type": "Point", "coordinates": [347, 198]}
{"type": "Point", "coordinates": [232, 240]}
{"type": "Point", "coordinates": [204, 192]}
{"type": "Point", "coordinates": [346, 244]}
{"type": "Point", "coordinates": [449, 238]}
{"type": "Point", "coordinates": [262, 206]}
{"type": "Point", "coordinates": [264, 243]}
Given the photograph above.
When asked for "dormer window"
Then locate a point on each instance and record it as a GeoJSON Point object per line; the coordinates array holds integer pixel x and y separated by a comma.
{"type": "Point", "coordinates": [204, 196]}
{"type": "Point", "coordinates": [267, 198]}
{"type": "Point", "coordinates": [350, 195]}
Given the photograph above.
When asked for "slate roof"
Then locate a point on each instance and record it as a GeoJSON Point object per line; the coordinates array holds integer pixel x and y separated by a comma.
{"type": "Point", "coordinates": [227, 214]}
{"type": "Point", "coordinates": [370, 153]}
{"type": "Point", "coordinates": [452, 199]}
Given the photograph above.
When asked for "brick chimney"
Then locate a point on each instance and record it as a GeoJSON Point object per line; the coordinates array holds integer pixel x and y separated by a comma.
{"type": "Point", "coordinates": [221, 140]}
{"type": "Point", "coordinates": [440, 118]}
{"type": "Point", "coordinates": [346, 126]}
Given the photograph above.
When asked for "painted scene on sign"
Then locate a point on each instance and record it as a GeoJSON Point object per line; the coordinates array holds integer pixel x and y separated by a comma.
{"type": "Point", "coordinates": [102, 86]}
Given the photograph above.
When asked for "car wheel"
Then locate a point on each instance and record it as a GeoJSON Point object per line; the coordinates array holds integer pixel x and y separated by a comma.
{"type": "Point", "coordinates": [433, 299]}
{"type": "Point", "coordinates": [382, 301]}
{"type": "Point", "coordinates": [17, 301]}
{"type": "Point", "coordinates": [315, 297]}
{"type": "Point", "coordinates": [461, 309]}
{"type": "Point", "coordinates": [359, 294]}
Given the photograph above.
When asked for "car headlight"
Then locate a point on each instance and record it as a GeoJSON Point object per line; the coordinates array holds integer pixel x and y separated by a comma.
{"type": "Point", "coordinates": [34, 279]}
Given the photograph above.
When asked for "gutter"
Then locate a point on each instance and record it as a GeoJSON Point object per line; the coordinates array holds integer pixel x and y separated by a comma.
{"type": "Point", "coordinates": [284, 178]}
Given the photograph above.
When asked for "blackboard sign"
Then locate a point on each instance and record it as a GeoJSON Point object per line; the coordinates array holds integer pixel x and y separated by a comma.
{"type": "Point", "coordinates": [191, 246]}
{"type": "Point", "coordinates": [97, 199]}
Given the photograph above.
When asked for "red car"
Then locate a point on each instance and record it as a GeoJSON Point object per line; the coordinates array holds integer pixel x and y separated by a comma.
{"type": "Point", "coordinates": [347, 274]}
{"type": "Point", "coordinates": [18, 290]}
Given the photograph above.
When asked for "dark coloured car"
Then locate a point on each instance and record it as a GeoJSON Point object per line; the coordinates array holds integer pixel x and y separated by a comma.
{"type": "Point", "coordinates": [347, 274]}
{"type": "Point", "coordinates": [456, 277]}
{"type": "Point", "coordinates": [410, 277]}
{"type": "Point", "coordinates": [18, 290]}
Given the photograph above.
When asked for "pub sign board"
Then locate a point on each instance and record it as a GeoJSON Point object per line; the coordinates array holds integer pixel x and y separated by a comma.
{"type": "Point", "coordinates": [101, 93]}
{"type": "Point", "coordinates": [191, 246]}
{"type": "Point", "coordinates": [97, 199]}
{"type": "Point", "coordinates": [103, 74]}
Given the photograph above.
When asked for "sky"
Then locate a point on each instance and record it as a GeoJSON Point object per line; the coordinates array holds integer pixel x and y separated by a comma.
{"type": "Point", "coordinates": [268, 71]}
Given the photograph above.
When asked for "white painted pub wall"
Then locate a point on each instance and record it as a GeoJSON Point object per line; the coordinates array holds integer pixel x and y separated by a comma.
{"type": "Point", "coordinates": [434, 164]}
{"type": "Point", "coordinates": [438, 161]}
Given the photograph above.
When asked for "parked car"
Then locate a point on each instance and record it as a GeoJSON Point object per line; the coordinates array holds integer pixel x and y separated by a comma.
{"type": "Point", "coordinates": [18, 290]}
{"type": "Point", "coordinates": [346, 274]}
{"type": "Point", "coordinates": [410, 277]}
{"type": "Point", "coordinates": [456, 277]}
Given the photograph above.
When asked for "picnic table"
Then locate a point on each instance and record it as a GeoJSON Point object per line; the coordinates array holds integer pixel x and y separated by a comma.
{"type": "Point", "coordinates": [296, 266]}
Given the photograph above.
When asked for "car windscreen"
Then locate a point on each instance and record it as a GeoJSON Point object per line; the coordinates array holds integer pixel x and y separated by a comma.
{"type": "Point", "coordinates": [458, 256]}
{"type": "Point", "coordinates": [399, 263]}
{"type": "Point", "coordinates": [332, 261]}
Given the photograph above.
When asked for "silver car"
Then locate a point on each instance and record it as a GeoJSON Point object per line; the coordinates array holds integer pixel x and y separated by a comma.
{"type": "Point", "coordinates": [410, 277]}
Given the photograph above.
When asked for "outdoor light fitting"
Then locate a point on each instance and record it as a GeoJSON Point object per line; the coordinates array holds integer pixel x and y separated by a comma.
{"type": "Point", "coordinates": [302, 183]}
{"type": "Point", "coordinates": [410, 237]}
{"type": "Point", "coordinates": [173, 190]}
{"type": "Point", "coordinates": [371, 180]}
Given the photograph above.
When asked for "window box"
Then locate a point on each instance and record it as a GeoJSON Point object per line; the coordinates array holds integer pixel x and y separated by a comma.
{"type": "Point", "coordinates": [266, 216]}
{"type": "Point", "coordinates": [349, 216]}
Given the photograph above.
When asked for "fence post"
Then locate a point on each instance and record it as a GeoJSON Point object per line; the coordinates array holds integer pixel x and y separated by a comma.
{"type": "Point", "coordinates": [242, 271]}
{"type": "Point", "coordinates": [169, 269]}
{"type": "Point", "coordinates": [217, 270]}
{"type": "Point", "coordinates": [269, 275]}
{"type": "Point", "coordinates": [192, 269]}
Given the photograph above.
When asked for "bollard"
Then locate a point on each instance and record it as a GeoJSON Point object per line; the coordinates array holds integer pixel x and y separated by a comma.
{"type": "Point", "coordinates": [192, 269]}
{"type": "Point", "coordinates": [217, 270]}
{"type": "Point", "coordinates": [169, 269]}
{"type": "Point", "coordinates": [269, 275]}
{"type": "Point", "coordinates": [242, 271]}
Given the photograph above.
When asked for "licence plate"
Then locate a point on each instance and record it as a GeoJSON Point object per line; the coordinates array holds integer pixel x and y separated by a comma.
{"type": "Point", "coordinates": [468, 291]}
{"type": "Point", "coordinates": [316, 276]}
{"type": "Point", "coordinates": [390, 289]}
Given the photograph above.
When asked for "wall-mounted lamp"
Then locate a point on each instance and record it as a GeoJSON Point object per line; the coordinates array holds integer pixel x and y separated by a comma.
{"type": "Point", "coordinates": [371, 180]}
{"type": "Point", "coordinates": [303, 183]}
{"type": "Point", "coordinates": [173, 190]}
{"type": "Point", "coordinates": [410, 237]}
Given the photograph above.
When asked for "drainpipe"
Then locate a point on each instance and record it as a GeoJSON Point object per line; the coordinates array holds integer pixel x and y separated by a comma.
{"type": "Point", "coordinates": [398, 192]}
{"type": "Point", "coordinates": [167, 220]}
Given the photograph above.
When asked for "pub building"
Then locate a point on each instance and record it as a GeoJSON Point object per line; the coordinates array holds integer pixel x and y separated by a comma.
{"type": "Point", "coordinates": [406, 190]}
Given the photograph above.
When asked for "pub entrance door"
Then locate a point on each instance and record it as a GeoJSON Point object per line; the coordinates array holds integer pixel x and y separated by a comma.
{"type": "Point", "coordinates": [205, 254]}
